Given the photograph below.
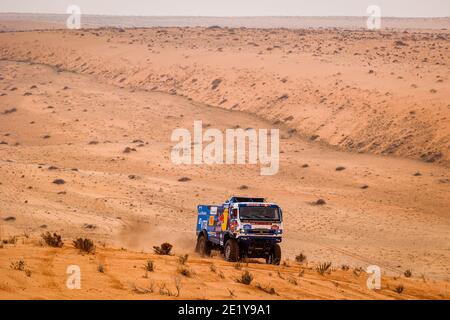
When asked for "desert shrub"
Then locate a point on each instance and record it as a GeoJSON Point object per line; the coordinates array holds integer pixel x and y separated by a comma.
{"type": "Point", "coordinates": [10, 240]}
{"type": "Point", "coordinates": [408, 273]}
{"type": "Point", "coordinates": [213, 268]}
{"type": "Point", "coordinates": [164, 291]}
{"type": "Point", "coordinates": [345, 267]}
{"type": "Point", "coordinates": [178, 286]}
{"type": "Point", "coordinates": [183, 259]}
{"type": "Point", "coordinates": [293, 281]}
{"type": "Point", "coordinates": [319, 202]}
{"type": "Point", "coordinates": [215, 83]}
{"type": "Point", "coordinates": [18, 265]}
{"type": "Point", "coordinates": [246, 278]}
{"type": "Point", "coordinates": [128, 150]}
{"type": "Point", "coordinates": [101, 268]}
{"type": "Point", "coordinates": [149, 266]}
{"type": "Point", "coordinates": [52, 240]}
{"type": "Point", "coordinates": [266, 289]}
{"type": "Point", "coordinates": [59, 181]}
{"type": "Point", "coordinates": [85, 245]}
{"type": "Point", "coordinates": [300, 258]}
{"type": "Point", "coordinates": [357, 271]}
{"type": "Point", "coordinates": [164, 249]}
{"type": "Point", "coordinates": [150, 289]}
{"type": "Point", "coordinates": [399, 289]}
{"type": "Point", "coordinates": [323, 268]}
{"type": "Point", "coordinates": [8, 111]}
{"type": "Point", "coordinates": [185, 271]}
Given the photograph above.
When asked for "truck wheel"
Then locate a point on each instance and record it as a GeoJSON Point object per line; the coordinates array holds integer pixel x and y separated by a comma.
{"type": "Point", "coordinates": [203, 246]}
{"type": "Point", "coordinates": [231, 250]}
{"type": "Point", "coordinates": [275, 255]}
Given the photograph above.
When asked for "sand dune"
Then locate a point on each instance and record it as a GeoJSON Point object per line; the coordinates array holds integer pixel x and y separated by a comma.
{"type": "Point", "coordinates": [384, 93]}
{"type": "Point", "coordinates": [71, 102]}
{"type": "Point", "coordinates": [121, 274]}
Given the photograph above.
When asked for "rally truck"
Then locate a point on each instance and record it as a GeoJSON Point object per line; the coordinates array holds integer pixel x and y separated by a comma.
{"type": "Point", "coordinates": [241, 227]}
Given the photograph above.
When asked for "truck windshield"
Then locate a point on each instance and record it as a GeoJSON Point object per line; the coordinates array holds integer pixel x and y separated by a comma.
{"type": "Point", "coordinates": [259, 213]}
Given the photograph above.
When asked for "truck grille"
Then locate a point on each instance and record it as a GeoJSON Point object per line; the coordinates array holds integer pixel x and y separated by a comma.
{"type": "Point", "coordinates": [261, 231]}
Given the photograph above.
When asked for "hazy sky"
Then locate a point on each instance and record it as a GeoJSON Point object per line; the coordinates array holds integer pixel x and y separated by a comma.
{"type": "Point", "coordinates": [397, 8]}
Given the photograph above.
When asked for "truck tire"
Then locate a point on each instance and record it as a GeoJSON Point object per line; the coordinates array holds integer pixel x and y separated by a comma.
{"type": "Point", "coordinates": [275, 255]}
{"type": "Point", "coordinates": [203, 246]}
{"type": "Point", "coordinates": [231, 250]}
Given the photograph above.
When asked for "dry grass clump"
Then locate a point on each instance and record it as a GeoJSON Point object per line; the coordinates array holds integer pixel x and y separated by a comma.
{"type": "Point", "coordinates": [399, 289]}
{"type": "Point", "coordinates": [149, 266]}
{"type": "Point", "coordinates": [292, 280]}
{"type": "Point", "coordinates": [163, 290]}
{"type": "Point", "coordinates": [185, 271]}
{"type": "Point", "coordinates": [59, 181]}
{"type": "Point", "coordinates": [53, 240]}
{"type": "Point", "coordinates": [84, 245]}
{"type": "Point", "coordinates": [266, 289]}
{"type": "Point", "coordinates": [128, 150]}
{"type": "Point", "coordinates": [183, 259]}
{"type": "Point", "coordinates": [300, 258]}
{"type": "Point", "coordinates": [164, 249]}
{"type": "Point", "coordinates": [323, 268]}
{"type": "Point", "coordinates": [8, 111]}
{"type": "Point", "coordinates": [357, 271]}
{"type": "Point", "coordinates": [10, 240]}
{"type": "Point", "coordinates": [319, 202]}
{"type": "Point", "coordinates": [246, 278]}
{"type": "Point", "coordinates": [18, 265]}
{"type": "Point", "coordinates": [345, 267]}
{"type": "Point", "coordinates": [408, 273]}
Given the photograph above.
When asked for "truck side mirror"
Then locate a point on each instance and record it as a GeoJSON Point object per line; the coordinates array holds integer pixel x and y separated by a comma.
{"type": "Point", "coordinates": [234, 214]}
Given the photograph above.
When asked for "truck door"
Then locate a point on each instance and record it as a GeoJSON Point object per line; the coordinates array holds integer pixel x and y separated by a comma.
{"type": "Point", "coordinates": [214, 227]}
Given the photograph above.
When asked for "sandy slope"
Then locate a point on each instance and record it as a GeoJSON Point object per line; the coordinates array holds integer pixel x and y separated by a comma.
{"type": "Point", "coordinates": [75, 126]}
{"type": "Point", "coordinates": [384, 92]}
{"type": "Point", "coordinates": [123, 276]}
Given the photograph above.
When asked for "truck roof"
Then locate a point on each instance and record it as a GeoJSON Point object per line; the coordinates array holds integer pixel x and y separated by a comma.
{"type": "Point", "coordinates": [245, 199]}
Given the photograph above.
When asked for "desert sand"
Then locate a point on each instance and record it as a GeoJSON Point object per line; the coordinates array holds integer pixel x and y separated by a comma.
{"type": "Point", "coordinates": [374, 103]}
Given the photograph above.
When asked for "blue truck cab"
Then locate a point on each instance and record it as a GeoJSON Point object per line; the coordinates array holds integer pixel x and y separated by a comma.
{"type": "Point", "coordinates": [241, 227]}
